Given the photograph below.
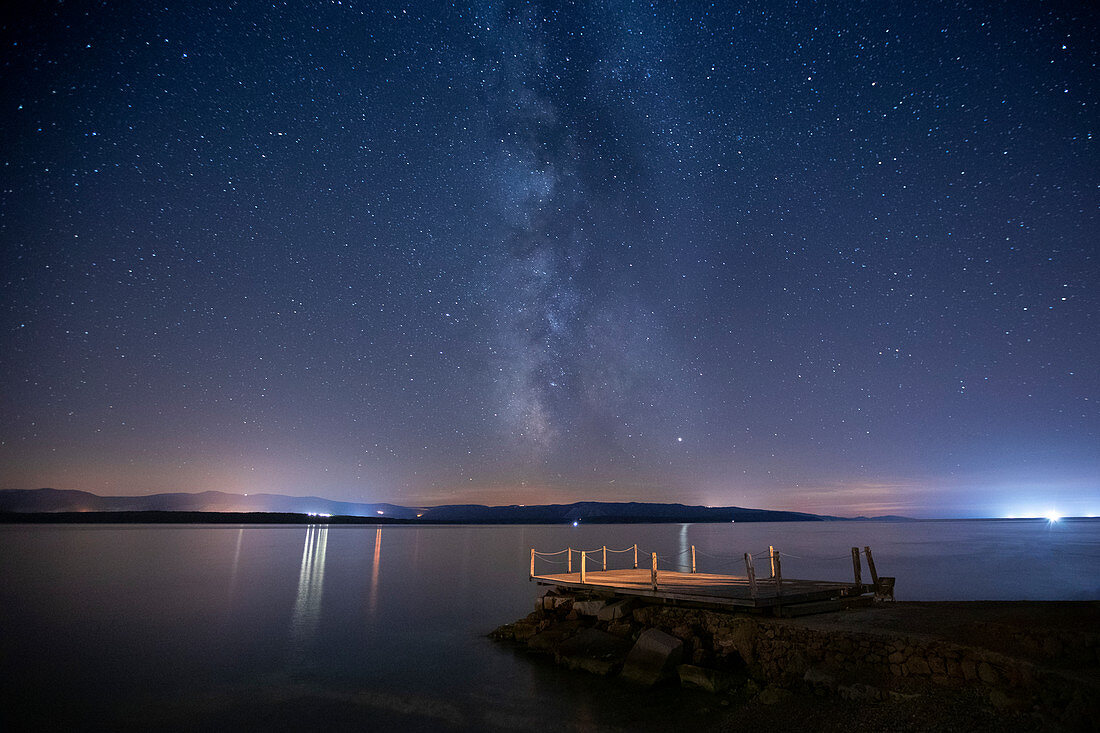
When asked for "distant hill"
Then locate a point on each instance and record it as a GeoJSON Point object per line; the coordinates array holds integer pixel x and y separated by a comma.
{"type": "Point", "coordinates": [53, 500]}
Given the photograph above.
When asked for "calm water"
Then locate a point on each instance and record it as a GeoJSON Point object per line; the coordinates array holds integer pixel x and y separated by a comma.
{"type": "Point", "coordinates": [266, 627]}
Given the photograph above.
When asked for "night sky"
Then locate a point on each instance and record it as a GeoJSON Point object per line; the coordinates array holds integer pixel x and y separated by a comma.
{"type": "Point", "coordinates": [832, 257]}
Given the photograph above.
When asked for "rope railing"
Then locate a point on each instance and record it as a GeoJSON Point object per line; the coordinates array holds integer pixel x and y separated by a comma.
{"type": "Point", "coordinates": [678, 562]}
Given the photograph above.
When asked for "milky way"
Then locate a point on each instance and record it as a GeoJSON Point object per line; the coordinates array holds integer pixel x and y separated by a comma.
{"type": "Point", "coordinates": [833, 257]}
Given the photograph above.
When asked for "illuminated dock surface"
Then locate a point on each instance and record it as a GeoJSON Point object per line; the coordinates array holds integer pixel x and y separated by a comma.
{"type": "Point", "coordinates": [705, 589]}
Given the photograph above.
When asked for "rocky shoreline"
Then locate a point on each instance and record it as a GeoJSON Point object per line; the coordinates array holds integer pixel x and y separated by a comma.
{"type": "Point", "coordinates": [1031, 662]}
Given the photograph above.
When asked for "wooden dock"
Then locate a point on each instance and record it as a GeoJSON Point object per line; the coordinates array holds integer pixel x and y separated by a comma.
{"type": "Point", "coordinates": [791, 596]}
{"type": "Point", "coordinates": [705, 589]}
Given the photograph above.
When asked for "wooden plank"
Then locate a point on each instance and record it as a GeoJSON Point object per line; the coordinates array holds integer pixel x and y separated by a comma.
{"type": "Point", "coordinates": [752, 574]}
{"type": "Point", "coordinates": [777, 571]}
{"type": "Point", "coordinates": [871, 566]}
{"type": "Point", "coordinates": [723, 590]}
{"type": "Point", "coordinates": [855, 566]}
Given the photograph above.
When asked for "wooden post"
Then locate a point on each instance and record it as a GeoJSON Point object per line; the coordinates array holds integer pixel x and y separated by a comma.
{"type": "Point", "coordinates": [855, 566]}
{"type": "Point", "coordinates": [693, 559]}
{"type": "Point", "coordinates": [532, 564]}
{"type": "Point", "coordinates": [569, 560]}
{"type": "Point", "coordinates": [752, 574]}
{"type": "Point", "coordinates": [605, 557]}
{"type": "Point", "coordinates": [584, 556]}
{"type": "Point", "coordinates": [871, 566]}
{"type": "Point", "coordinates": [778, 569]}
{"type": "Point", "coordinates": [653, 572]}
{"type": "Point", "coordinates": [635, 555]}
{"type": "Point", "coordinates": [771, 556]}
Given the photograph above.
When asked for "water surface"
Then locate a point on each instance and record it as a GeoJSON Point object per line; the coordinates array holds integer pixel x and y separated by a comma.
{"type": "Point", "coordinates": [284, 627]}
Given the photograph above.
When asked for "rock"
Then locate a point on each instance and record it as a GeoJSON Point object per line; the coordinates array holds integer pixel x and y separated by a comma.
{"type": "Point", "coordinates": [524, 630]}
{"type": "Point", "coordinates": [593, 651]}
{"type": "Point", "coordinates": [987, 674]}
{"type": "Point", "coordinates": [860, 692]}
{"type": "Point", "coordinates": [548, 640]}
{"type": "Point", "coordinates": [682, 632]}
{"type": "Point", "coordinates": [709, 680]}
{"type": "Point", "coordinates": [621, 628]}
{"type": "Point", "coordinates": [654, 658]}
{"type": "Point", "coordinates": [553, 602]}
{"type": "Point", "coordinates": [903, 696]}
{"type": "Point", "coordinates": [507, 632]}
{"type": "Point", "coordinates": [917, 665]}
{"type": "Point", "coordinates": [817, 678]}
{"type": "Point", "coordinates": [588, 608]}
{"type": "Point", "coordinates": [772, 695]}
{"type": "Point", "coordinates": [616, 610]}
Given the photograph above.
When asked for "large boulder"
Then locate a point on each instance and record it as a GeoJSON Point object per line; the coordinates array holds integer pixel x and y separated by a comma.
{"type": "Point", "coordinates": [710, 680]}
{"type": "Point", "coordinates": [588, 608]}
{"type": "Point", "coordinates": [654, 658]}
{"type": "Point", "coordinates": [616, 610]}
{"type": "Point", "coordinates": [549, 639]}
{"type": "Point", "coordinates": [593, 651]}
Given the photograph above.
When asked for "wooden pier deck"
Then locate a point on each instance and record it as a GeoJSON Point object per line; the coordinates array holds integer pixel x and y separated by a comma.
{"type": "Point", "coordinates": [705, 589]}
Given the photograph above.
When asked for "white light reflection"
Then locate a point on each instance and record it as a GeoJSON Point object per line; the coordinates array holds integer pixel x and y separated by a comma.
{"type": "Point", "coordinates": [684, 561]}
{"type": "Point", "coordinates": [236, 562]}
{"type": "Point", "coordinates": [311, 579]}
{"type": "Point", "coordinates": [372, 599]}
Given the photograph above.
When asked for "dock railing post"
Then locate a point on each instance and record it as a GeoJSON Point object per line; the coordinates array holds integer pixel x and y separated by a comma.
{"type": "Point", "coordinates": [871, 566]}
{"type": "Point", "coordinates": [605, 557]}
{"type": "Point", "coordinates": [778, 569]}
{"type": "Point", "coordinates": [693, 559]}
{"type": "Point", "coordinates": [569, 560]}
{"type": "Point", "coordinates": [584, 556]}
{"type": "Point", "coordinates": [653, 571]}
{"type": "Point", "coordinates": [771, 556]}
{"type": "Point", "coordinates": [752, 575]}
{"type": "Point", "coordinates": [532, 564]}
{"type": "Point", "coordinates": [635, 555]}
{"type": "Point", "coordinates": [856, 568]}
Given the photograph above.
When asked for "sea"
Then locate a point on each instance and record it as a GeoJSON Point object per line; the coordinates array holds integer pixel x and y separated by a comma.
{"type": "Point", "coordinates": [364, 627]}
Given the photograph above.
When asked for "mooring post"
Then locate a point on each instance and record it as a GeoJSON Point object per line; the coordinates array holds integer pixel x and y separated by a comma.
{"type": "Point", "coordinates": [871, 566]}
{"type": "Point", "coordinates": [532, 564]}
{"type": "Point", "coordinates": [777, 568]}
{"type": "Point", "coordinates": [584, 556]}
{"type": "Point", "coordinates": [693, 559]}
{"type": "Point", "coordinates": [771, 556]}
{"type": "Point", "coordinates": [855, 567]}
{"type": "Point", "coordinates": [569, 560]}
{"type": "Point", "coordinates": [605, 557]}
{"type": "Point", "coordinates": [635, 555]}
{"type": "Point", "coordinates": [751, 573]}
{"type": "Point", "coordinates": [653, 572]}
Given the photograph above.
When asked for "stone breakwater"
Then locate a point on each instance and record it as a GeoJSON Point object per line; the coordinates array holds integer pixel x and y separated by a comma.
{"type": "Point", "coordinates": [1027, 659]}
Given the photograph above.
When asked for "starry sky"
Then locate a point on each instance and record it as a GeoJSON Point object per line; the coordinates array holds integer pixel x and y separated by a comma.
{"type": "Point", "coordinates": [835, 257]}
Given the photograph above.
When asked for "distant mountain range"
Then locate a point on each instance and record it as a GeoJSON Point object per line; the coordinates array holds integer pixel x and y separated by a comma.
{"type": "Point", "coordinates": [34, 501]}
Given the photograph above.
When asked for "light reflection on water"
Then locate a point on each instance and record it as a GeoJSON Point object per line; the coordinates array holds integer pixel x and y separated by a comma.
{"type": "Point", "coordinates": [372, 598]}
{"type": "Point", "coordinates": [311, 582]}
